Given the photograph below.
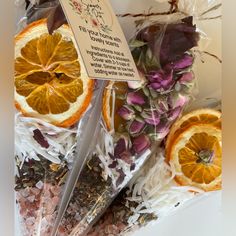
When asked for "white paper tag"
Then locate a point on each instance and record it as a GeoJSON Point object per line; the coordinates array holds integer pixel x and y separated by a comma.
{"type": "Point", "coordinates": [100, 39]}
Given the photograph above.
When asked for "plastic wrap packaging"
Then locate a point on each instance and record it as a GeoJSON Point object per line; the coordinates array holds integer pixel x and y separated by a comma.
{"type": "Point", "coordinates": [136, 119]}
{"type": "Point", "coordinates": [57, 105]}
{"type": "Point", "coordinates": [154, 192]}
{"type": "Point", "coordinates": [46, 156]}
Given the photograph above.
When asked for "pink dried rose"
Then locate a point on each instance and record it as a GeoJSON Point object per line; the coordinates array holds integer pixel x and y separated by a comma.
{"type": "Point", "coordinates": [161, 80]}
{"type": "Point", "coordinates": [135, 98]}
{"type": "Point", "coordinates": [151, 117]}
{"type": "Point", "coordinates": [136, 127]}
{"type": "Point", "coordinates": [178, 100]}
{"type": "Point", "coordinates": [162, 130]}
{"type": "Point", "coordinates": [180, 64]}
{"type": "Point", "coordinates": [56, 190]}
{"type": "Point", "coordinates": [162, 106]}
{"type": "Point", "coordinates": [126, 112]}
{"type": "Point", "coordinates": [186, 78]}
{"type": "Point", "coordinates": [141, 144]}
{"type": "Point", "coordinates": [174, 114]}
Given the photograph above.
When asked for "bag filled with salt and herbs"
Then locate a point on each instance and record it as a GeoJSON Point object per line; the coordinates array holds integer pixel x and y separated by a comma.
{"type": "Point", "coordinates": [136, 118]}
{"type": "Point", "coordinates": [54, 99]}
{"type": "Point", "coordinates": [187, 164]}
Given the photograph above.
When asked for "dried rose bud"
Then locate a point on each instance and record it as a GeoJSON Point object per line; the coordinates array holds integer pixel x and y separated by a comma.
{"type": "Point", "coordinates": [151, 117]}
{"type": "Point", "coordinates": [40, 139]}
{"type": "Point", "coordinates": [122, 151]}
{"type": "Point", "coordinates": [168, 42]}
{"type": "Point", "coordinates": [113, 165]}
{"type": "Point", "coordinates": [173, 114]}
{"type": "Point", "coordinates": [126, 113]}
{"type": "Point", "coordinates": [183, 63]}
{"type": "Point", "coordinates": [141, 144]}
{"type": "Point", "coordinates": [135, 98]}
{"type": "Point", "coordinates": [162, 130]}
{"type": "Point", "coordinates": [178, 100]}
{"type": "Point", "coordinates": [186, 78]}
{"type": "Point", "coordinates": [161, 81]}
{"type": "Point", "coordinates": [121, 177]}
{"type": "Point", "coordinates": [121, 146]}
{"type": "Point", "coordinates": [126, 156]}
{"type": "Point", "coordinates": [136, 127]}
{"type": "Point", "coordinates": [156, 76]}
{"type": "Point", "coordinates": [162, 105]}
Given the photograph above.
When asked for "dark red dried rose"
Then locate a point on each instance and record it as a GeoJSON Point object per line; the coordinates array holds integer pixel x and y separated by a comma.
{"type": "Point", "coordinates": [169, 42]}
{"type": "Point", "coordinates": [121, 177]}
{"type": "Point", "coordinates": [40, 139]}
{"type": "Point", "coordinates": [113, 165]}
{"type": "Point", "coordinates": [121, 146]}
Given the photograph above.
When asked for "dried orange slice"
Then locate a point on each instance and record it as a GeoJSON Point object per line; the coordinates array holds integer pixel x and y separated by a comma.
{"type": "Point", "coordinates": [201, 116]}
{"type": "Point", "coordinates": [51, 82]}
{"type": "Point", "coordinates": [196, 156]}
{"type": "Point", "coordinates": [112, 102]}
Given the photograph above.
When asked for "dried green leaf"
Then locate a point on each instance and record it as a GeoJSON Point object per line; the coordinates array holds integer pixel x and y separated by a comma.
{"type": "Point", "coordinates": [134, 43]}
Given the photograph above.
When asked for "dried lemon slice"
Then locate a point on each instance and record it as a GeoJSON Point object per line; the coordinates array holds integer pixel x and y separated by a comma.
{"type": "Point", "coordinates": [51, 82]}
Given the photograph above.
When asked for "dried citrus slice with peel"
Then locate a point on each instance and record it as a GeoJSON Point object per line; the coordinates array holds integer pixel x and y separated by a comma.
{"type": "Point", "coordinates": [112, 96]}
{"type": "Point", "coordinates": [201, 116]}
{"type": "Point", "coordinates": [51, 82]}
{"type": "Point", "coordinates": [196, 155]}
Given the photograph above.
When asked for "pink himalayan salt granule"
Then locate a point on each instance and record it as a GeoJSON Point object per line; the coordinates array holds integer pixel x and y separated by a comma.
{"type": "Point", "coordinates": [107, 227]}
{"type": "Point", "coordinates": [37, 208]}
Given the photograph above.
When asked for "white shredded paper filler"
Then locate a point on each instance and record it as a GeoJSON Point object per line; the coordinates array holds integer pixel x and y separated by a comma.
{"type": "Point", "coordinates": [106, 146]}
{"type": "Point", "coordinates": [61, 141]}
{"type": "Point", "coordinates": [155, 190]}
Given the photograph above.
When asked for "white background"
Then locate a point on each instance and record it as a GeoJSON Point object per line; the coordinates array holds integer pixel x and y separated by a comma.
{"type": "Point", "coordinates": [202, 217]}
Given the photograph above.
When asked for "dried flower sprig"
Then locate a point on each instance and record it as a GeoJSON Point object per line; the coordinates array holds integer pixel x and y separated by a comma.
{"type": "Point", "coordinates": [165, 68]}
{"type": "Point", "coordinates": [151, 106]}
